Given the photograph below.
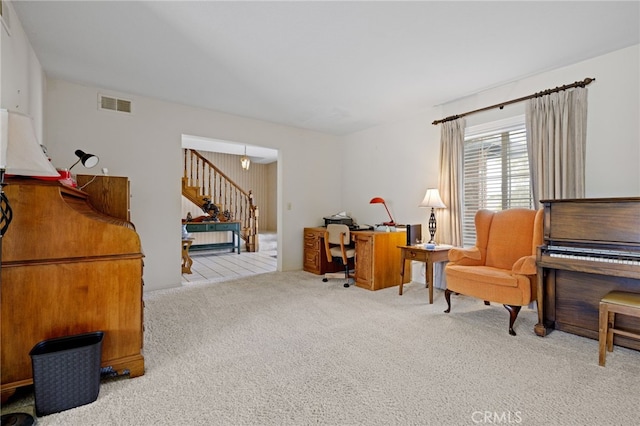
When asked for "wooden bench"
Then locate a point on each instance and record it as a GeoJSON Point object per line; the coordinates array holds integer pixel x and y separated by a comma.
{"type": "Point", "coordinates": [615, 302]}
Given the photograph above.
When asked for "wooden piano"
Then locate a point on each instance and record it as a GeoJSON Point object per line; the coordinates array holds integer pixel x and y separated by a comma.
{"type": "Point", "coordinates": [591, 246]}
{"type": "Point", "coordinates": [68, 268]}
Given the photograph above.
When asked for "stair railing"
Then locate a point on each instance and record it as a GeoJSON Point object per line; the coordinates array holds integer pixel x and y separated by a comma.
{"type": "Point", "coordinates": [202, 179]}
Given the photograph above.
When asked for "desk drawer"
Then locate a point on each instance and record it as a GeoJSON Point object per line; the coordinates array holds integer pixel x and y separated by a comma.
{"type": "Point", "coordinates": [211, 227]}
{"type": "Point", "coordinates": [311, 242]}
{"type": "Point", "coordinates": [417, 255]}
{"type": "Point", "coordinates": [197, 227]}
{"type": "Point", "coordinates": [225, 226]}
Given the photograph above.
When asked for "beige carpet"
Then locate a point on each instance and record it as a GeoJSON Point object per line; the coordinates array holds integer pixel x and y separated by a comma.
{"type": "Point", "coordinates": [288, 349]}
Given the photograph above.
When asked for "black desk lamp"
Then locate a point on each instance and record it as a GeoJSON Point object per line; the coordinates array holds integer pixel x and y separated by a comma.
{"type": "Point", "coordinates": [88, 160]}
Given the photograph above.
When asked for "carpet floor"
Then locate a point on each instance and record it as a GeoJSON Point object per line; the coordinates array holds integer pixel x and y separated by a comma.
{"type": "Point", "coordinates": [285, 348]}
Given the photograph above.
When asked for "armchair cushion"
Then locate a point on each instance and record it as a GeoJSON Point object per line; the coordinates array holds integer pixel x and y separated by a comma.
{"type": "Point", "coordinates": [491, 284]}
{"type": "Point", "coordinates": [525, 266]}
{"type": "Point", "coordinates": [465, 256]}
{"type": "Point", "coordinates": [510, 237]}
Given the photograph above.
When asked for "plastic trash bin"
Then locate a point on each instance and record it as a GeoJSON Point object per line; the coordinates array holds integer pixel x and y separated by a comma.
{"type": "Point", "coordinates": [66, 372]}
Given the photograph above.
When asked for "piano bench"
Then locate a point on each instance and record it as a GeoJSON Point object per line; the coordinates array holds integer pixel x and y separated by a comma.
{"type": "Point", "coordinates": [615, 302]}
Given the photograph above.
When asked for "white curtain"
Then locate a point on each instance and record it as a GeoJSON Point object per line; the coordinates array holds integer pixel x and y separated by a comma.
{"type": "Point", "coordinates": [556, 140]}
{"type": "Point", "coordinates": [449, 220]}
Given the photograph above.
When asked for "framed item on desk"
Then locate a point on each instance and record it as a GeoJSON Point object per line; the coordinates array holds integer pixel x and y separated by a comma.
{"type": "Point", "coordinates": [414, 234]}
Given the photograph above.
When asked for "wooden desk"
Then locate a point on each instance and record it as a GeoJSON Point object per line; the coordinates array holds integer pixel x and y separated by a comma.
{"type": "Point", "coordinates": [233, 227]}
{"type": "Point", "coordinates": [315, 256]}
{"type": "Point", "coordinates": [376, 260]}
{"type": "Point", "coordinates": [419, 254]}
{"type": "Point", "coordinates": [186, 259]}
{"type": "Point", "coordinates": [68, 268]}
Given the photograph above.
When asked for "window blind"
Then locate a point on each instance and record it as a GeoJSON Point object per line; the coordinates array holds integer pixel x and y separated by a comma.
{"type": "Point", "coordinates": [496, 173]}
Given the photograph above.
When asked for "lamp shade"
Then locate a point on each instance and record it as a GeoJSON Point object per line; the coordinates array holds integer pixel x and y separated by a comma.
{"type": "Point", "coordinates": [432, 199]}
{"type": "Point", "coordinates": [20, 152]}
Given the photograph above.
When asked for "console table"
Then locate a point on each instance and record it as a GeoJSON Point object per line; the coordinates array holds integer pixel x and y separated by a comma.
{"type": "Point", "coordinates": [233, 227]}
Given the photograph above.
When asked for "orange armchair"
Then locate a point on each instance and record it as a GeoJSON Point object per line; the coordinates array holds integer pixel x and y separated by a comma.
{"type": "Point", "coordinates": [501, 267]}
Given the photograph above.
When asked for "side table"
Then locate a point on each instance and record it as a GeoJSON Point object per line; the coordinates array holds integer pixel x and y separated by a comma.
{"type": "Point", "coordinates": [420, 254]}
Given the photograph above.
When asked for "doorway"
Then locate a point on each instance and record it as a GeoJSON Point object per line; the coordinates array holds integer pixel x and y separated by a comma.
{"type": "Point", "coordinates": [261, 179]}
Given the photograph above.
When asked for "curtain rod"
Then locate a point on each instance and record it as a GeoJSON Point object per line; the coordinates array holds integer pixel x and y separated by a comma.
{"type": "Point", "coordinates": [583, 83]}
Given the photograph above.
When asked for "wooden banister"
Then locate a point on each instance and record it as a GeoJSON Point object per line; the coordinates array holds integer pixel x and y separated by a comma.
{"type": "Point", "coordinates": [201, 179]}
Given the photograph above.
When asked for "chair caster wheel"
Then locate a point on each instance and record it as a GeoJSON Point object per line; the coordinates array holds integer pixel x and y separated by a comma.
{"type": "Point", "coordinates": [324, 280]}
{"type": "Point", "coordinates": [346, 285]}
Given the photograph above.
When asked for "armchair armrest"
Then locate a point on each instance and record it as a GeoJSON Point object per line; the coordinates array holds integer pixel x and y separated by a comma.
{"type": "Point", "coordinates": [465, 256]}
{"type": "Point", "coordinates": [525, 266]}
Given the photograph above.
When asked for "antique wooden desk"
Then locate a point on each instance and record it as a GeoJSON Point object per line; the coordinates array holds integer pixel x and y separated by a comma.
{"type": "Point", "coordinates": [68, 268]}
{"type": "Point", "coordinates": [420, 254]}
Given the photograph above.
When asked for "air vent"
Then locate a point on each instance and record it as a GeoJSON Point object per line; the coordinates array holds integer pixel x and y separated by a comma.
{"type": "Point", "coordinates": [114, 104]}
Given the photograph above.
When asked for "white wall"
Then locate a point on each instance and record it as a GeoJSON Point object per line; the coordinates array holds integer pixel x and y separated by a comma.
{"type": "Point", "coordinates": [404, 155]}
{"type": "Point", "coordinates": [146, 147]}
{"type": "Point", "coordinates": [21, 76]}
{"type": "Point", "coordinates": [397, 161]}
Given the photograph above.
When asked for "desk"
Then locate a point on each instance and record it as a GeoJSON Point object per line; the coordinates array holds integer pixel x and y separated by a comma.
{"type": "Point", "coordinates": [377, 258]}
{"type": "Point", "coordinates": [376, 261]}
{"type": "Point", "coordinates": [315, 256]}
{"type": "Point", "coordinates": [233, 227]}
{"type": "Point", "coordinates": [419, 254]}
{"type": "Point", "coordinates": [186, 259]}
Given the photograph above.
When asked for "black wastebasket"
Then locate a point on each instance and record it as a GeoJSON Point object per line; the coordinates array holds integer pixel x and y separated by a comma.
{"type": "Point", "coordinates": [66, 372]}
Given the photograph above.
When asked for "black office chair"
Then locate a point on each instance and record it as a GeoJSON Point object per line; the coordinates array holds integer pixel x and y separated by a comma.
{"type": "Point", "coordinates": [337, 239]}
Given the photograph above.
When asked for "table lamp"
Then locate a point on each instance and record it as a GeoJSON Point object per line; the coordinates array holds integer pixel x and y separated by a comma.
{"type": "Point", "coordinates": [378, 200]}
{"type": "Point", "coordinates": [20, 154]}
{"type": "Point", "coordinates": [432, 199]}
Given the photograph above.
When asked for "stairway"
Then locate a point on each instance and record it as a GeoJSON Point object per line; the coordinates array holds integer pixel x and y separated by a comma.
{"type": "Point", "coordinates": [203, 183]}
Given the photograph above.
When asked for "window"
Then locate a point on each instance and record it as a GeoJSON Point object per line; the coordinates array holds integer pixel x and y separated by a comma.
{"type": "Point", "coordinates": [496, 171]}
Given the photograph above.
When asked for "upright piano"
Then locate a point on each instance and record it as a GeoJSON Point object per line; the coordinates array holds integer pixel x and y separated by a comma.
{"type": "Point", "coordinates": [591, 247]}
{"type": "Point", "coordinates": [67, 268]}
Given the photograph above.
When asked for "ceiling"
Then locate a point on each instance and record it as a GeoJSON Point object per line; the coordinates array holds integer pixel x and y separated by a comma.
{"type": "Point", "coordinates": [333, 67]}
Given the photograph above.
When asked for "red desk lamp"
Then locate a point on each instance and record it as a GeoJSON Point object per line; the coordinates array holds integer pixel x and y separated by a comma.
{"type": "Point", "coordinates": [378, 200]}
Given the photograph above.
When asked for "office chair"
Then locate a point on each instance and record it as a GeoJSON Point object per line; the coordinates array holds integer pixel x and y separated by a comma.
{"type": "Point", "coordinates": [336, 242]}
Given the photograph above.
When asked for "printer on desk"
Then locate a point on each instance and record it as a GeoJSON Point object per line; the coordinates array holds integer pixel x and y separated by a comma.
{"type": "Point", "coordinates": [342, 219]}
{"type": "Point", "coordinates": [338, 218]}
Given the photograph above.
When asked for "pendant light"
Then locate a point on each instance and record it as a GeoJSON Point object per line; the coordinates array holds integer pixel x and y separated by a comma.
{"type": "Point", "coordinates": [244, 160]}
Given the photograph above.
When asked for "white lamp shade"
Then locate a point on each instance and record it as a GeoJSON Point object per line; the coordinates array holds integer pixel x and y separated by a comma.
{"type": "Point", "coordinates": [20, 152]}
{"type": "Point", "coordinates": [432, 199]}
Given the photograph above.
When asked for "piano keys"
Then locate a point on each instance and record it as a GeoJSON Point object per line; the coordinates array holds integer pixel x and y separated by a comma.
{"type": "Point", "coordinates": [591, 247]}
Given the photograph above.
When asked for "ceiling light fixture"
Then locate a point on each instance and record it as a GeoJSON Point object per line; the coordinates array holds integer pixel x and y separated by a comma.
{"type": "Point", "coordinates": [244, 160]}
